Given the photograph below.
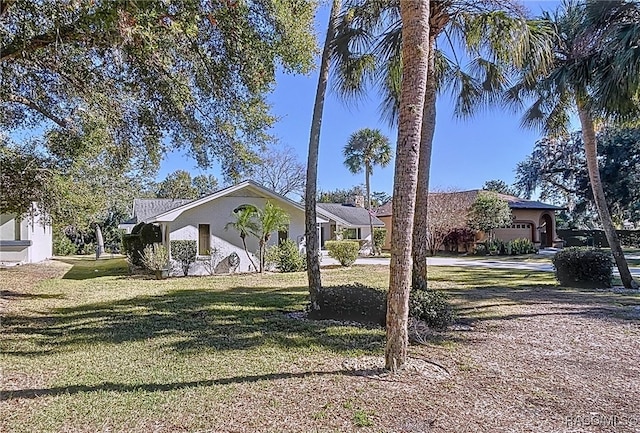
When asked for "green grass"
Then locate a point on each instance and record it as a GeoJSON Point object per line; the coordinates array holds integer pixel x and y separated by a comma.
{"type": "Point", "coordinates": [98, 349]}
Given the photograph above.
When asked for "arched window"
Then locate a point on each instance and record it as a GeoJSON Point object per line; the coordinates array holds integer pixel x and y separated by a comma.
{"type": "Point", "coordinates": [245, 206]}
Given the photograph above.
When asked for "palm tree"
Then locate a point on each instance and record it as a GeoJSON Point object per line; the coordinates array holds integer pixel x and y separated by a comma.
{"type": "Point", "coordinates": [268, 220]}
{"type": "Point", "coordinates": [245, 224]}
{"type": "Point", "coordinates": [367, 50]}
{"type": "Point", "coordinates": [595, 70]}
{"type": "Point", "coordinates": [366, 148]}
{"type": "Point", "coordinates": [415, 58]}
{"type": "Point", "coordinates": [311, 231]}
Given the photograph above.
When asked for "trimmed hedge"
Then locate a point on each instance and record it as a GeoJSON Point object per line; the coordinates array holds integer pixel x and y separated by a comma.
{"type": "Point", "coordinates": [346, 252]}
{"type": "Point", "coordinates": [597, 238]}
{"type": "Point", "coordinates": [353, 302]}
{"type": "Point", "coordinates": [583, 267]}
{"type": "Point", "coordinates": [359, 303]}
{"type": "Point", "coordinates": [141, 235]}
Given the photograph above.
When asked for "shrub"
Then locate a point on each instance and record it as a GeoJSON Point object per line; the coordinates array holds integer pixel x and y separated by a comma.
{"type": "Point", "coordinates": [88, 249]}
{"type": "Point", "coordinates": [184, 252]}
{"type": "Point", "coordinates": [379, 238]}
{"type": "Point", "coordinates": [63, 246]}
{"type": "Point", "coordinates": [286, 257]}
{"type": "Point", "coordinates": [432, 307]}
{"type": "Point", "coordinates": [155, 257]}
{"type": "Point", "coordinates": [583, 267]}
{"type": "Point", "coordinates": [346, 252]}
{"type": "Point", "coordinates": [132, 246]}
{"type": "Point", "coordinates": [522, 246]}
{"type": "Point", "coordinates": [354, 302]}
{"type": "Point", "coordinates": [141, 235]}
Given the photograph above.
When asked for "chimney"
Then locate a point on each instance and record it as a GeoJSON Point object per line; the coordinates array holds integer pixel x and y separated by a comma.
{"type": "Point", "coordinates": [356, 201]}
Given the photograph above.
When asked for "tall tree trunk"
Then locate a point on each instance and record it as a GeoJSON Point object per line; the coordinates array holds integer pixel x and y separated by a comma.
{"type": "Point", "coordinates": [415, 61]}
{"type": "Point", "coordinates": [420, 224]}
{"type": "Point", "coordinates": [99, 242]}
{"type": "Point", "coordinates": [311, 231]}
{"type": "Point", "coordinates": [591, 153]}
{"type": "Point", "coordinates": [368, 188]}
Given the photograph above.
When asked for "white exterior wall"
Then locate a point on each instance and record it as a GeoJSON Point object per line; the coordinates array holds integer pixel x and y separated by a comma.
{"type": "Point", "coordinates": [36, 237]}
{"type": "Point", "coordinates": [41, 236]}
{"type": "Point", "coordinates": [217, 214]}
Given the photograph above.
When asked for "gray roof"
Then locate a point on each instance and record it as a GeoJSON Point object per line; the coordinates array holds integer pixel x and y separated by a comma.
{"type": "Point", "coordinates": [145, 208]}
{"type": "Point", "coordinates": [521, 203]}
{"type": "Point", "coordinates": [355, 216]}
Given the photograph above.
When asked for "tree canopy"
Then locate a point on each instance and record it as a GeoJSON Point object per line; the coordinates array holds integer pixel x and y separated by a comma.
{"type": "Point", "coordinates": [557, 169]}
{"type": "Point", "coordinates": [179, 184]}
{"type": "Point", "coordinates": [187, 73]}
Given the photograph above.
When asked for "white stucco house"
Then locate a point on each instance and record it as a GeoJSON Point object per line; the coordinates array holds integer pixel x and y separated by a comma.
{"type": "Point", "coordinates": [25, 239]}
{"type": "Point", "coordinates": [204, 220]}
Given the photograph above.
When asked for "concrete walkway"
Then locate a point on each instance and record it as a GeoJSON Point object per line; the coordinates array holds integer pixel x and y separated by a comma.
{"type": "Point", "coordinates": [481, 263]}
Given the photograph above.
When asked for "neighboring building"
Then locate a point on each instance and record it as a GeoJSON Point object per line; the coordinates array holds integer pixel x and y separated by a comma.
{"type": "Point", "coordinates": [28, 239]}
{"type": "Point", "coordinates": [350, 220]}
{"type": "Point", "coordinates": [532, 220]}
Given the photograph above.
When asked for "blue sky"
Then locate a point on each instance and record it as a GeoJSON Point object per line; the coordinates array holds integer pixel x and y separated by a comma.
{"type": "Point", "coordinates": [466, 153]}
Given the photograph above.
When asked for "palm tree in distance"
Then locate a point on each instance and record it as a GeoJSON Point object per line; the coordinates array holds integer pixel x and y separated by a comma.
{"type": "Point", "coordinates": [365, 149]}
{"type": "Point", "coordinates": [367, 50]}
{"type": "Point", "coordinates": [310, 197]}
{"type": "Point", "coordinates": [596, 71]}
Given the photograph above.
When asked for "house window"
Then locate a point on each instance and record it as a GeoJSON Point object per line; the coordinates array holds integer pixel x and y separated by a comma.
{"type": "Point", "coordinates": [17, 229]}
{"type": "Point", "coordinates": [351, 233]}
{"type": "Point", "coordinates": [283, 235]}
{"type": "Point", "coordinates": [203, 239]}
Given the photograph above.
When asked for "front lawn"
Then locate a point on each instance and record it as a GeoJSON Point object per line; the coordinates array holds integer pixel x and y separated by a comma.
{"type": "Point", "coordinates": [87, 348]}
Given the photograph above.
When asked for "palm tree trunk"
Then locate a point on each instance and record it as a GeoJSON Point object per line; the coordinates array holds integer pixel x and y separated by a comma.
{"type": "Point", "coordinates": [246, 250]}
{"type": "Point", "coordinates": [311, 231]}
{"type": "Point", "coordinates": [591, 152]}
{"type": "Point", "coordinates": [368, 188]}
{"type": "Point", "coordinates": [415, 61]}
{"type": "Point", "coordinates": [420, 224]}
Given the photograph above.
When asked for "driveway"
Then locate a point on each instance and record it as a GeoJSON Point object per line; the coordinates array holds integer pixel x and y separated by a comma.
{"type": "Point", "coordinates": [482, 263]}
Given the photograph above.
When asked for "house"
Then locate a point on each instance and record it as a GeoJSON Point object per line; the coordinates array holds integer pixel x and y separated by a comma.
{"type": "Point", "coordinates": [204, 220]}
{"type": "Point", "coordinates": [532, 220]}
{"type": "Point", "coordinates": [25, 239]}
{"type": "Point", "coordinates": [347, 220]}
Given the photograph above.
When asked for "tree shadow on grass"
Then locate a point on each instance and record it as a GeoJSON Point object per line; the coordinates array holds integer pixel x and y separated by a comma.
{"type": "Point", "coordinates": [11, 294]}
{"type": "Point", "coordinates": [491, 289]}
{"type": "Point", "coordinates": [160, 387]}
{"type": "Point", "coordinates": [233, 319]}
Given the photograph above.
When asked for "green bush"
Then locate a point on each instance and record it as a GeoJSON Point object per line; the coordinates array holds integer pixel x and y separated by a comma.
{"type": "Point", "coordinates": [583, 267]}
{"type": "Point", "coordinates": [432, 307]}
{"type": "Point", "coordinates": [346, 252]}
{"type": "Point", "coordinates": [286, 257]}
{"type": "Point", "coordinates": [155, 257]}
{"type": "Point", "coordinates": [353, 302]}
{"type": "Point", "coordinates": [88, 249]}
{"type": "Point", "coordinates": [184, 252]}
{"type": "Point", "coordinates": [141, 235]}
{"type": "Point", "coordinates": [522, 246]}
{"type": "Point", "coordinates": [63, 246]}
{"type": "Point", "coordinates": [379, 238]}
{"type": "Point", "coordinates": [497, 247]}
